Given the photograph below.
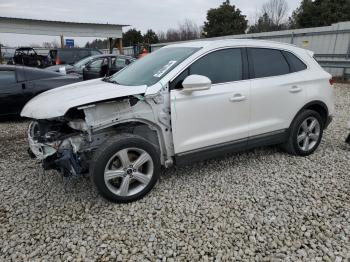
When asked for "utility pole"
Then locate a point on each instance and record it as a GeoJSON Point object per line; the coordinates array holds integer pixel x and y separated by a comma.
{"type": "Point", "coordinates": [120, 46]}
{"type": "Point", "coordinates": [62, 41]}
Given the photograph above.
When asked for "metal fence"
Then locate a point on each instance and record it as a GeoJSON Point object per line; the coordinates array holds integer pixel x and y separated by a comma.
{"type": "Point", "coordinates": [331, 44]}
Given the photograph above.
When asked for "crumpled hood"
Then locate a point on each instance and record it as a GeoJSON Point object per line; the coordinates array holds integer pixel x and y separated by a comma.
{"type": "Point", "coordinates": [56, 102]}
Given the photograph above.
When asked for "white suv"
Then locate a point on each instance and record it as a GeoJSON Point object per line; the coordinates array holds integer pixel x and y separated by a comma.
{"type": "Point", "coordinates": [180, 104]}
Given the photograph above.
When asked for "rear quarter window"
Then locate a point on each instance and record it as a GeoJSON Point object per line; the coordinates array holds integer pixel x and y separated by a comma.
{"type": "Point", "coordinates": [295, 63]}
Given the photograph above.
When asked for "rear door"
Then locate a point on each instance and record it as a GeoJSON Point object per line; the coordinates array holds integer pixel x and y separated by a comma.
{"type": "Point", "coordinates": [11, 94]}
{"type": "Point", "coordinates": [277, 91]}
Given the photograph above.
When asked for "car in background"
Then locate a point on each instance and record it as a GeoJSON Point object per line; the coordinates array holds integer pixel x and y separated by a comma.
{"type": "Point", "coordinates": [348, 138]}
{"type": "Point", "coordinates": [29, 57]}
{"type": "Point", "coordinates": [95, 66]}
{"type": "Point", "coordinates": [104, 65]}
{"type": "Point", "coordinates": [61, 56]}
{"type": "Point", "coordinates": [19, 84]}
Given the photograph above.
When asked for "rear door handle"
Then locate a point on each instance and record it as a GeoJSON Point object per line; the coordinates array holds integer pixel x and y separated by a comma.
{"type": "Point", "coordinates": [295, 89]}
{"type": "Point", "coordinates": [23, 86]}
{"type": "Point", "coordinates": [238, 98]}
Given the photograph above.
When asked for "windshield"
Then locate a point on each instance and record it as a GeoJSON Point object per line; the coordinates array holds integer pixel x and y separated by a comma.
{"type": "Point", "coordinates": [83, 62]}
{"type": "Point", "coordinates": [153, 67]}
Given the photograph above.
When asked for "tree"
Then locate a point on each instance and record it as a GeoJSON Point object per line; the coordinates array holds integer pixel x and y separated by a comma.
{"type": "Point", "coordinates": [264, 24]}
{"type": "Point", "coordinates": [132, 37]}
{"type": "Point", "coordinates": [173, 35]}
{"type": "Point", "coordinates": [189, 30]}
{"type": "Point", "coordinates": [273, 17]}
{"type": "Point", "coordinates": [52, 44]}
{"type": "Point", "coordinates": [150, 37]}
{"type": "Point", "coordinates": [277, 11]}
{"type": "Point", "coordinates": [186, 30]}
{"type": "Point", "coordinates": [224, 20]}
{"type": "Point", "coordinates": [162, 36]}
{"type": "Point", "coordinates": [320, 13]}
{"type": "Point", "coordinates": [97, 43]}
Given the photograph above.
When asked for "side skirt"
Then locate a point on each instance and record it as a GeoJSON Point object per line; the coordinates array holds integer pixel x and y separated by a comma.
{"type": "Point", "coordinates": [272, 138]}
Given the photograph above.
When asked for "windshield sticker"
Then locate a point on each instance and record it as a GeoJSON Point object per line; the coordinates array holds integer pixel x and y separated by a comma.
{"type": "Point", "coordinates": [164, 69]}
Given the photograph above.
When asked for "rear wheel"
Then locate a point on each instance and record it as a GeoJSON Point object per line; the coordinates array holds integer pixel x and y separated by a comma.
{"type": "Point", "coordinates": [305, 133]}
{"type": "Point", "coordinates": [126, 168]}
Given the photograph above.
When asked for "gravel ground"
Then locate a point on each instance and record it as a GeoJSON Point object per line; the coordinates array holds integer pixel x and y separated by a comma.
{"type": "Point", "coordinates": [261, 205]}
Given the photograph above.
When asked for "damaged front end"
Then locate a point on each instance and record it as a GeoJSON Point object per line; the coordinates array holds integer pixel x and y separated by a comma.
{"type": "Point", "coordinates": [67, 143]}
{"type": "Point", "coordinates": [58, 146]}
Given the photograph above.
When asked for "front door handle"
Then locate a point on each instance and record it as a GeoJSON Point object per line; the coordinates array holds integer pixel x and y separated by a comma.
{"type": "Point", "coordinates": [295, 89]}
{"type": "Point", "coordinates": [238, 98]}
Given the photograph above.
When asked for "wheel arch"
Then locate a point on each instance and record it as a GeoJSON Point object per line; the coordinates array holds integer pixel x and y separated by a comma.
{"type": "Point", "coordinates": [317, 106]}
{"type": "Point", "coordinates": [145, 129]}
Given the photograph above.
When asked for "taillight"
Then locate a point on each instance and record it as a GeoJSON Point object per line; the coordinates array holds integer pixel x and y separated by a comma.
{"type": "Point", "coordinates": [331, 81]}
{"type": "Point", "coordinates": [58, 61]}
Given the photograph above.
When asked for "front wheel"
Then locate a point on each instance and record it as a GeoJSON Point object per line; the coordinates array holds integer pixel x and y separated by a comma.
{"type": "Point", "coordinates": [305, 134]}
{"type": "Point", "coordinates": [126, 168]}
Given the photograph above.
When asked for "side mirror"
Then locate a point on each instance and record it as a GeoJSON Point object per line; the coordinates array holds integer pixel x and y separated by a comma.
{"type": "Point", "coordinates": [196, 83]}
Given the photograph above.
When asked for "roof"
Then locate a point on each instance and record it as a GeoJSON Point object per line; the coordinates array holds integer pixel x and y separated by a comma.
{"type": "Point", "coordinates": [233, 42]}
{"type": "Point", "coordinates": [55, 21]}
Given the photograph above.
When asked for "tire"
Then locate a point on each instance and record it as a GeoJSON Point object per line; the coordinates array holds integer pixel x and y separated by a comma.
{"type": "Point", "coordinates": [307, 126]}
{"type": "Point", "coordinates": [125, 168]}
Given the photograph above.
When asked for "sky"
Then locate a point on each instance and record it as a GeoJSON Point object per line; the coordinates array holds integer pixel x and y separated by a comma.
{"type": "Point", "coordinates": [142, 15]}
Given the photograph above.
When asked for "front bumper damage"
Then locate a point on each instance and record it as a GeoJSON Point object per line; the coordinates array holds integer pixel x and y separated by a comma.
{"type": "Point", "coordinates": [61, 155]}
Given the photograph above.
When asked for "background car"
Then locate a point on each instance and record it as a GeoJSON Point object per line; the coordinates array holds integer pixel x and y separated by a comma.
{"type": "Point", "coordinates": [92, 66]}
{"type": "Point", "coordinates": [104, 65]}
{"type": "Point", "coordinates": [18, 84]}
{"type": "Point", "coordinates": [28, 56]}
{"type": "Point", "coordinates": [60, 56]}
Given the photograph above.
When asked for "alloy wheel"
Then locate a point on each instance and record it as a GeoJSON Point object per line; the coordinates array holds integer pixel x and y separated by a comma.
{"type": "Point", "coordinates": [128, 171]}
{"type": "Point", "coordinates": [308, 134]}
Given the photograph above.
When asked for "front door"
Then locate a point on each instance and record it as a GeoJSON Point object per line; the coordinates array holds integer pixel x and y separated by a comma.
{"type": "Point", "coordinates": [214, 117]}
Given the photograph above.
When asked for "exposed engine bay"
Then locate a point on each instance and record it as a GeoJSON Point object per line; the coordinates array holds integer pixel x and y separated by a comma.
{"type": "Point", "coordinates": [67, 143]}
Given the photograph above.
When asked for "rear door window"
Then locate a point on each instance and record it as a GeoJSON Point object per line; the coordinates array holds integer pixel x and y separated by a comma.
{"type": "Point", "coordinates": [96, 64]}
{"type": "Point", "coordinates": [7, 77]}
{"type": "Point", "coordinates": [267, 62]}
{"type": "Point", "coordinates": [119, 62]}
